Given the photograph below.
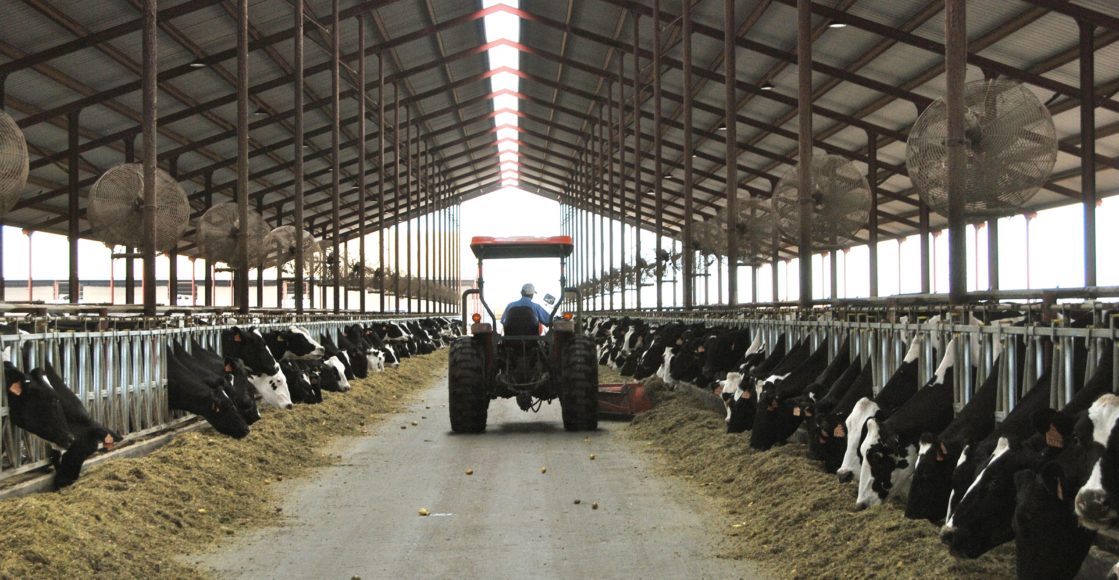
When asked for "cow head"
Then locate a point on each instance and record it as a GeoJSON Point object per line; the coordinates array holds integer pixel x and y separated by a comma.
{"type": "Point", "coordinates": [1097, 502]}
{"type": "Point", "coordinates": [331, 378]}
{"type": "Point", "coordinates": [982, 518]}
{"type": "Point", "coordinates": [249, 346]}
{"type": "Point", "coordinates": [297, 344]}
{"type": "Point", "coordinates": [1048, 539]}
{"type": "Point", "coordinates": [240, 390]}
{"type": "Point", "coordinates": [36, 407]}
{"type": "Point", "coordinates": [932, 478]}
{"type": "Point", "coordinates": [220, 411]}
{"type": "Point", "coordinates": [853, 429]}
{"type": "Point", "coordinates": [887, 464]}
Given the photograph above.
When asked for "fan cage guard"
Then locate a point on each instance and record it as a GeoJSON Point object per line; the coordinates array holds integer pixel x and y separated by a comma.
{"type": "Point", "coordinates": [14, 163]}
{"type": "Point", "coordinates": [1011, 147]}
{"type": "Point", "coordinates": [754, 238]}
{"type": "Point", "coordinates": [217, 233]}
{"type": "Point", "coordinates": [280, 248]}
{"type": "Point", "coordinates": [840, 204]}
{"type": "Point", "coordinates": [116, 208]}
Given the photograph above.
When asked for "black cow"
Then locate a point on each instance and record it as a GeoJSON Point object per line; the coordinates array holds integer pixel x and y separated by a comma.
{"type": "Point", "coordinates": [663, 337]}
{"type": "Point", "coordinates": [88, 434]}
{"type": "Point", "coordinates": [300, 384]}
{"type": "Point", "coordinates": [355, 354]}
{"type": "Point", "coordinates": [1050, 543]}
{"type": "Point", "coordinates": [1096, 501]}
{"type": "Point", "coordinates": [774, 421]}
{"type": "Point", "coordinates": [830, 419]}
{"type": "Point", "coordinates": [938, 454]}
{"type": "Point", "coordinates": [35, 406]}
{"type": "Point", "coordinates": [815, 408]}
{"type": "Point", "coordinates": [206, 397]}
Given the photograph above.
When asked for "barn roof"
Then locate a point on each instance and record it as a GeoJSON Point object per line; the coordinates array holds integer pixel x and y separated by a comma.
{"type": "Point", "coordinates": [876, 65]}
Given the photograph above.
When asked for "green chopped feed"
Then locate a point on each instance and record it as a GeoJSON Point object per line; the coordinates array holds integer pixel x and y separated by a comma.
{"type": "Point", "coordinates": [782, 510]}
{"type": "Point", "coordinates": [132, 518]}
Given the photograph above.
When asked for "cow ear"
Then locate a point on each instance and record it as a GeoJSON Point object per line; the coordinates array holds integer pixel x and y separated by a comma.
{"type": "Point", "coordinates": [228, 367]}
{"type": "Point", "coordinates": [16, 388]}
{"type": "Point", "coordinates": [1054, 478]}
{"type": "Point", "coordinates": [236, 334]}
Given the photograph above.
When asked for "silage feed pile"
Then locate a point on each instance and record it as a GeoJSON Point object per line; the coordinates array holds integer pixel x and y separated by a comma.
{"type": "Point", "coordinates": [607, 376]}
{"type": "Point", "coordinates": [781, 510]}
{"type": "Point", "coordinates": [131, 518]}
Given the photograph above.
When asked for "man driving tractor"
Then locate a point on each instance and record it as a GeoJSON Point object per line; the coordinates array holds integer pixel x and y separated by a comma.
{"type": "Point", "coordinates": [525, 301]}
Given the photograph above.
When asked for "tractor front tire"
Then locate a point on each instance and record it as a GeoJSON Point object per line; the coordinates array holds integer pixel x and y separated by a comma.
{"type": "Point", "coordinates": [579, 393]}
{"type": "Point", "coordinates": [469, 402]}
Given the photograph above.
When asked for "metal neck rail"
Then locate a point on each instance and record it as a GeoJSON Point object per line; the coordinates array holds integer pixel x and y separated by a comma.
{"type": "Point", "coordinates": [885, 343]}
{"type": "Point", "coordinates": [121, 375]}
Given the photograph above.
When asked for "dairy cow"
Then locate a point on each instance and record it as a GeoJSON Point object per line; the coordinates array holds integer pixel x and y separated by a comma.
{"type": "Point", "coordinates": [901, 386]}
{"type": "Point", "coordinates": [203, 396]}
{"type": "Point", "coordinates": [890, 446]}
{"type": "Point", "coordinates": [265, 375]}
{"type": "Point", "coordinates": [774, 420]}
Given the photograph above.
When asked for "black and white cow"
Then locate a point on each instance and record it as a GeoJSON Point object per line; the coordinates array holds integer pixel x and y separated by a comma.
{"type": "Point", "coordinates": [774, 419]}
{"type": "Point", "coordinates": [293, 343]}
{"type": "Point", "coordinates": [983, 517]}
{"type": "Point", "coordinates": [901, 386]}
{"type": "Point", "coordinates": [1097, 502]}
{"type": "Point", "coordinates": [663, 339]}
{"type": "Point", "coordinates": [265, 375]}
{"type": "Point", "coordinates": [236, 378]}
{"type": "Point", "coordinates": [340, 361]}
{"type": "Point", "coordinates": [938, 453]}
{"type": "Point", "coordinates": [187, 391]}
{"type": "Point", "coordinates": [890, 446]}
{"type": "Point", "coordinates": [738, 394]}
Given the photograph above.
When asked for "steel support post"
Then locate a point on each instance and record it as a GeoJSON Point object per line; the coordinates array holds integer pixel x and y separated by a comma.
{"type": "Point", "coordinates": [381, 254]}
{"type": "Point", "coordinates": [730, 110]}
{"type": "Point", "coordinates": [208, 198]}
{"type": "Point", "coordinates": [335, 154]}
{"type": "Point", "coordinates": [409, 156]}
{"type": "Point", "coordinates": [925, 248]}
{"type": "Point", "coordinates": [611, 183]}
{"type": "Point", "coordinates": [621, 198]}
{"type": "Point", "coordinates": [955, 57]}
{"type": "Point", "coordinates": [637, 148]}
{"type": "Point", "coordinates": [72, 174]}
{"type": "Point", "coordinates": [363, 200]}
{"type": "Point", "coordinates": [260, 259]}
{"type": "Point", "coordinates": [872, 177]}
{"type": "Point", "coordinates": [242, 285]}
{"type": "Point", "coordinates": [658, 169]}
{"type": "Point", "coordinates": [804, 150]}
{"type": "Point", "coordinates": [396, 194]}
{"type": "Point", "coordinates": [1088, 146]}
{"type": "Point", "coordinates": [129, 251]}
{"type": "Point", "coordinates": [150, 54]}
{"type": "Point", "coordinates": [173, 254]}
{"type": "Point", "coordinates": [279, 267]}
{"type": "Point", "coordinates": [992, 254]}
{"type": "Point", "coordinates": [297, 209]}
{"type": "Point", "coordinates": [686, 105]}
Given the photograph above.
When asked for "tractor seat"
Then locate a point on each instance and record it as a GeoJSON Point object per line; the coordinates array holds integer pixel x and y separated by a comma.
{"type": "Point", "coordinates": [521, 321]}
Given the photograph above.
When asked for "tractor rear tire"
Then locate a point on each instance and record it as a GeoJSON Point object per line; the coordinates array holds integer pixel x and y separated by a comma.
{"type": "Point", "coordinates": [469, 403]}
{"type": "Point", "coordinates": [579, 394]}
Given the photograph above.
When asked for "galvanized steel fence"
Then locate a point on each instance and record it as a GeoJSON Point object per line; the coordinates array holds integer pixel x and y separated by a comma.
{"type": "Point", "coordinates": [120, 376]}
{"type": "Point", "coordinates": [1027, 349]}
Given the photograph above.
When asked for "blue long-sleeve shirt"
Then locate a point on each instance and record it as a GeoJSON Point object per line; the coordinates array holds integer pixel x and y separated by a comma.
{"type": "Point", "coordinates": [542, 316]}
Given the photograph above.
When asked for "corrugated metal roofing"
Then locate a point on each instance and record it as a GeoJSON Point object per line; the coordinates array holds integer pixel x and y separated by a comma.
{"type": "Point", "coordinates": [569, 44]}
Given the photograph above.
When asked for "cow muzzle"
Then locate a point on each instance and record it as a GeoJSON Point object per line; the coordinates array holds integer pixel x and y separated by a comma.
{"type": "Point", "coordinates": [845, 475]}
{"type": "Point", "coordinates": [1094, 509]}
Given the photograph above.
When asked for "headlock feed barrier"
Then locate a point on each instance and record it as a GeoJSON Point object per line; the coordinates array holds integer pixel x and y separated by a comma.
{"type": "Point", "coordinates": [120, 376]}
{"type": "Point", "coordinates": [1029, 347]}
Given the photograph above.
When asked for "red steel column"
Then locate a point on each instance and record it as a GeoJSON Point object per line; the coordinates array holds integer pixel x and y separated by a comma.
{"type": "Point", "coordinates": [689, 250]}
{"type": "Point", "coordinates": [955, 57]}
{"type": "Point", "coordinates": [297, 210]}
{"type": "Point", "coordinates": [731, 136]}
{"type": "Point", "coordinates": [242, 286]}
{"type": "Point", "coordinates": [658, 169]}
{"type": "Point", "coordinates": [363, 200]}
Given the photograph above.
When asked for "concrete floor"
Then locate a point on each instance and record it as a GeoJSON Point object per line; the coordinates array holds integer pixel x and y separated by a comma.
{"type": "Point", "coordinates": [360, 518]}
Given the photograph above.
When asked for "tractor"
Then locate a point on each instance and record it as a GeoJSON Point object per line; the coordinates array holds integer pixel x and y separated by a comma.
{"type": "Point", "coordinates": [521, 362]}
